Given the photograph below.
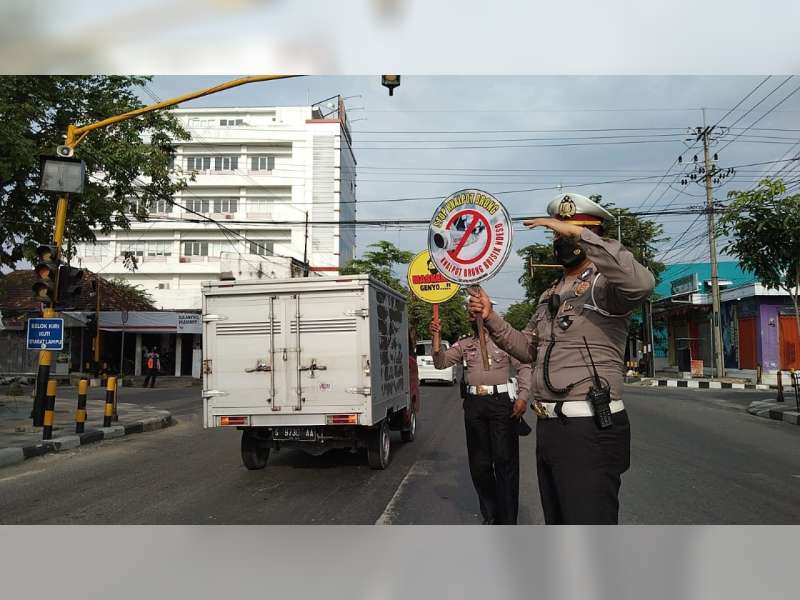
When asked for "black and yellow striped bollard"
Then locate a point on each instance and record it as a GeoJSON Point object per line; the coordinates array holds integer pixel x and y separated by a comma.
{"type": "Point", "coordinates": [49, 410]}
{"type": "Point", "coordinates": [80, 413]}
{"type": "Point", "coordinates": [108, 414]}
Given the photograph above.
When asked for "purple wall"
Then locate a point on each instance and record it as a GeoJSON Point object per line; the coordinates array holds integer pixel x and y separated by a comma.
{"type": "Point", "coordinates": [768, 352]}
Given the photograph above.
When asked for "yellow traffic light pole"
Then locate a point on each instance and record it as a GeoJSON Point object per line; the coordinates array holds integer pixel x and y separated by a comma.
{"type": "Point", "coordinates": [75, 135]}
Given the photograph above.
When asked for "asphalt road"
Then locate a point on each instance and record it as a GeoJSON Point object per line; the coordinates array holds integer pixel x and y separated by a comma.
{"type": "Point", "coordinates": [697, 458]}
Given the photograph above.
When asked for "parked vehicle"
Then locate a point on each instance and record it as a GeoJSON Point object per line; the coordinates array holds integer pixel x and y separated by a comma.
{"type": "Point", "coordinates": [428, 372]}
{"type": "Point", "coordinates": [313, 363]}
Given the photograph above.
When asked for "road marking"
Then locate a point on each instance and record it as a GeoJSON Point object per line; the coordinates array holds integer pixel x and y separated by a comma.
{"type": "Point", "coordinates": [421, 467]}
{"type": "Point", "coordinates": [26, 474]}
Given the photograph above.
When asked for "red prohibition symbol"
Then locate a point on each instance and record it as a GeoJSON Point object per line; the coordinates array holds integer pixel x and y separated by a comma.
{"type": "Point", "coordinates": [477, 218]}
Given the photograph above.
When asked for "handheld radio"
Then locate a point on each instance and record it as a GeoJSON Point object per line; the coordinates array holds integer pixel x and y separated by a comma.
{"type": "Point", "coordinates": [600, 396]}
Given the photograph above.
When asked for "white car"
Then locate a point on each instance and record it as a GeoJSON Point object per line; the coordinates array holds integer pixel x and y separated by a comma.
{"type": "Point", "coordinates": [427, 372]}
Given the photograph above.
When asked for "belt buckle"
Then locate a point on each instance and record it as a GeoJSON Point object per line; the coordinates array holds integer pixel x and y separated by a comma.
{"type": "Point", "coordinates": [482, 390]}
{"type": "Point", "coordinates": [539, 409]}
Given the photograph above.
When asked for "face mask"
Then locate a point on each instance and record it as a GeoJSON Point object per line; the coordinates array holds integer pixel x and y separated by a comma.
{"type": "Point", "coordinates": [567, 252]}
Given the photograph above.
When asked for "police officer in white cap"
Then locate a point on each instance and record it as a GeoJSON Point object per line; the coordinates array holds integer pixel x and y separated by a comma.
{"type": "Point", "coordinates": [576, 343]}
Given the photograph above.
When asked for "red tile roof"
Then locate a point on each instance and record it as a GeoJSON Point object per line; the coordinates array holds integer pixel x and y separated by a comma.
{"type": "Point", "coordinates": [16, 295]}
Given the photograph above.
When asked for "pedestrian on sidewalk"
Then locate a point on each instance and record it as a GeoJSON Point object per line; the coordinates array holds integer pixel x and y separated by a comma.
{"type": "Point", "coordinates": [152, 367]}
{"type": "Point", "coordinates": [582, 429]}
{"type": "Point", "coordinates": [492, 420]}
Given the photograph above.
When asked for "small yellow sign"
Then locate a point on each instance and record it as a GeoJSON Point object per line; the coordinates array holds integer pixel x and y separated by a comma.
{"type": "Point", "coordinates": [427, 283]}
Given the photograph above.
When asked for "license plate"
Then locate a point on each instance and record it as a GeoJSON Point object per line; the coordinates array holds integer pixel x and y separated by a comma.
{"type": "Point", "coordinates": [302, 434]}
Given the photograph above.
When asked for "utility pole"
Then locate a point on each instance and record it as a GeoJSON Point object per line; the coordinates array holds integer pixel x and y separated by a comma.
{"type": "Point", "coordinates": [712, 241]}
{"type": "Point", "coordinates": [619, 225]}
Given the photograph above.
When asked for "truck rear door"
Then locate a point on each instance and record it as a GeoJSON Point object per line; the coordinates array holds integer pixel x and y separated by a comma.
{"type": "Point", "coordinates": [324, 359]}
{"type": "Point", "coordinates": [240, 335]}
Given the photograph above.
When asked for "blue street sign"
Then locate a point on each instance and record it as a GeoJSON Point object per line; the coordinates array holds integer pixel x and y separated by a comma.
{"type": "Point", "coordinates": [45, 334]}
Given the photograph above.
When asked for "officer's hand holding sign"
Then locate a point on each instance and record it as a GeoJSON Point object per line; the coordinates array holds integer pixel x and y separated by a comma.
{"type": "Point", "coordinates": [576, 341]}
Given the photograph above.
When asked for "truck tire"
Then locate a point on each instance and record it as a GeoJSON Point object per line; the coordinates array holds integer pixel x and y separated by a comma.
{"type": "Point", "coordinates": [410, 432]}
{"type": "Point", "coordinates": [255, 451]}
{"type": "Point", "coordinates": [379, 446]}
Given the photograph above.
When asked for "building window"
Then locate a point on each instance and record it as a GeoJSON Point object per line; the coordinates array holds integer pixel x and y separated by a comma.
{"type": "Point", "coordinates": [226, 205]}
{"type": "Point", "coordinates": [131, 248]}
{"type": "Point", "coordinates": [231, 122]}
{"type": "Point", "coordinates": [195, 248]}
{"type": "Point", "coordinates": [160, 206]}
{"type": "Point", "coordinates": [262, 163]}
{"type": "Point", "coordinates": [96, 250]}
{"type": "Point", "coordinates": [226, 163]}
{"type": "Point", "coordinates": [159, 248]}
{"type": "Point", "coordinates": [203, 248]}
{"type": "Point", "coordinates": [199, 205]}
{"type": "Point", "coordinates": [262, 247]}
{"type": "Point", "coordinates": [198, 163]}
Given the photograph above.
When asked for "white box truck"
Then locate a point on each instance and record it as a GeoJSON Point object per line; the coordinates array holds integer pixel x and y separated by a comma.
{"type": "Point", "coordinates": [314, 363]}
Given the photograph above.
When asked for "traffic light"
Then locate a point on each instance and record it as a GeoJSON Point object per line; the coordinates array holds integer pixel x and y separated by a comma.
{"type": "Point", "coordinates": [45, 268]}
{"type": "Point", "coordinates": [391, 82]}
{"type": "Point", "coordinates": [70, 284]}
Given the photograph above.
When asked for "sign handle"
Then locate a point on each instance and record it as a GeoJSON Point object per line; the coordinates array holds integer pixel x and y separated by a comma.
{"type": "Point", "coordinates": [435, 312]}
{"type": "Point", "coordinates": [482, 337]}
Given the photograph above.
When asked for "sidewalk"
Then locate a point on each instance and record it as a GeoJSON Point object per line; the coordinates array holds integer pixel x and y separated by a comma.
{"type": "Point", "coordinates": [20, 440]}
{"type": "Point", "coordinates": [777, 411]}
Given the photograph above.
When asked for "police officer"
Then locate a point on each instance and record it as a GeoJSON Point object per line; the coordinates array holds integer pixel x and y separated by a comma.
{"type": "Point", "coordinates": [492, 421]}
{"type": "Point", "coordinates": [582, 430]}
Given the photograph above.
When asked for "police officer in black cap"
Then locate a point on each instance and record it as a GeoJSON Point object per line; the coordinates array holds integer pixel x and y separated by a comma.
{"type": "Point", "coordinates": [492, 419]}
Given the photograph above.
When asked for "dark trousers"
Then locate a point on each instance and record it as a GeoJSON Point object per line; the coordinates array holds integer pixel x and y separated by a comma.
{"type": "Point", "coordinates": [579, 468]}
{"type": "Point", "coordinates": [493, 450]}
{"type": "Point", "coordinates": [150, 378]}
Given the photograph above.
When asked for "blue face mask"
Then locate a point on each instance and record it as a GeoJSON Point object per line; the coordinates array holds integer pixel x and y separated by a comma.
{"type": "Point", "coordinates": [567, 252]}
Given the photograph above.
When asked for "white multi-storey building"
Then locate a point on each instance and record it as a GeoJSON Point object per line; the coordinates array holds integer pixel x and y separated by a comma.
{"type": "Point", "coordinates": [261, 172]}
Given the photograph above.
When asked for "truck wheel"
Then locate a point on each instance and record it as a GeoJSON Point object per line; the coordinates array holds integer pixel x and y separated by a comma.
{"type": "Point", "coordinates": [410, 433]}
{"type": "Point", "coordinates": [255, 452]}
{"type": "Point", "coordinates": [379, 446]}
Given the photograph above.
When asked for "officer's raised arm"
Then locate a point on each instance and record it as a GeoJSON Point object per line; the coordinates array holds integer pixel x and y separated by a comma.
{"type": "Point", "coordinates": [519, 344]}
{"type": "Point", "coordinates": [448, 358]}
{"type": "Point", "coordinates": [629, 282]}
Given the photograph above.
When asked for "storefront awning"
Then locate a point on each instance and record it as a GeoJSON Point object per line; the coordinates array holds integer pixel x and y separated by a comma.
{"type": "Point", "coordinates": [151, 322]}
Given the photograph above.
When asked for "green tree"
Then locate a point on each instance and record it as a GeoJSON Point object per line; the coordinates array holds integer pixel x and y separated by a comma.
{"type": "Point", "coordinates": [452, 315]}
{"type": "Point", "coordinates": [380, 260]}
{"type": "Point", "coordinates": [639, 235]}
{"type": "Point", "coordinates": [763, 229]}
{"type": "Point", "coordinates": [35, 112]}
{"type": "Point", "coordinates": [519, 314]}
{"type": "Point", "coordinates": [536, 279]}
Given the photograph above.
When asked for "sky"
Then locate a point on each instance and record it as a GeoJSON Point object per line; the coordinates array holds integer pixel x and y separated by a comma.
{"type": "Point", "coordinates": [439, 134]}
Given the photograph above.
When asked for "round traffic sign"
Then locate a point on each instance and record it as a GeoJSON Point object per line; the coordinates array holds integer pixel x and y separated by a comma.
{"type": "Point", "coordinates": [427, 283]}
{"type": "Point", "coordinates": [470, 237]}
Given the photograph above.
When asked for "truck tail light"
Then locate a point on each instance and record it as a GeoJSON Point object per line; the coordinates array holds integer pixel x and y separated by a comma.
{"type": "Point", "coordinates": [342, 419]}
{"type": "Point", "coordinates": [234, 421]}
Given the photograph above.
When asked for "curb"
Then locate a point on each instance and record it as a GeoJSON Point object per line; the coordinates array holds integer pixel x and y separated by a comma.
{"type": "Point", "coordinates": [13, 456]}
{"type": "Point", "coordinates": [775, 411]}
{"type": "Point", "coordinates": [705, 385]}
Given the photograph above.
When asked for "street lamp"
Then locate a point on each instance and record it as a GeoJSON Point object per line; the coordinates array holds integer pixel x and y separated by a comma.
{"type": "Point", "coordinates": [62, 174]}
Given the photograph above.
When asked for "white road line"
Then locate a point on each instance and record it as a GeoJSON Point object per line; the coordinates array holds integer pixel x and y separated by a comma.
{"type": "Point", "coordinates": [19, 476]}
{"type": "Point", "coordinates": [421, 467]}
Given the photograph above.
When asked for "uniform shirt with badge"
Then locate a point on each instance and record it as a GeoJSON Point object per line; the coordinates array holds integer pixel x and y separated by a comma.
{"type": "Point", "coordinates": [595, 304]}
{"type": "Point", "coordinates": [467, 350]}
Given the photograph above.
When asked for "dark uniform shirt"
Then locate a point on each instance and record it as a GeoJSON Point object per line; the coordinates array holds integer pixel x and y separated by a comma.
{"type": "Point", "coordinates": [468, 351]}
{"type": "Point", "coordinates": [595, 303]}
